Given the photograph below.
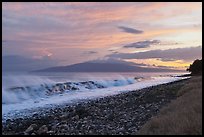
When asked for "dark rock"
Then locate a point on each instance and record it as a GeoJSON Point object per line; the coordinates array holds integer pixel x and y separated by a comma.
{"type": "Point", "coordinates": [8, 120]}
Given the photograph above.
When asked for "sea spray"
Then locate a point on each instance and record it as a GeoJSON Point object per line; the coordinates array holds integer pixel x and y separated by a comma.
{"type": "Point", "coordinates": [35, 88]}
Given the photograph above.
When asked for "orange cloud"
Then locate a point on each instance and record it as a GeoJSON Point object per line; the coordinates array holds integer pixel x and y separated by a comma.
{"type": "Point", "coordinates": [177, 64]}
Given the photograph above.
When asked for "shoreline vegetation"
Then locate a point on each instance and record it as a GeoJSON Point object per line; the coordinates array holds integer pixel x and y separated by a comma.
{"type": "Point", "coordinates": [127, 113]}
{"type": "Point", "coordinates": [181, 117]}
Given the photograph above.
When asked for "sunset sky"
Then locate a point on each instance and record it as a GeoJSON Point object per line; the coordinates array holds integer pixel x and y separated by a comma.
{"type": "Point", "coordinates": [153, 33]}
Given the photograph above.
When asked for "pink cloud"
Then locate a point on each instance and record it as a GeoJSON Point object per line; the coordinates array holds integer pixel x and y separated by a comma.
{"type": "Point", "coordinates": [66, 26]}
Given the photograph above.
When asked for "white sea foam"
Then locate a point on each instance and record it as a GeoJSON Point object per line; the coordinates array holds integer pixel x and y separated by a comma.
{"type": "Point", "coordinates": [35, 88]}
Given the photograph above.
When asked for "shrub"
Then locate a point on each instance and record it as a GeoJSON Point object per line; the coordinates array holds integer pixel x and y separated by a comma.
{"type": "Point", "coordinates": [196, 67]}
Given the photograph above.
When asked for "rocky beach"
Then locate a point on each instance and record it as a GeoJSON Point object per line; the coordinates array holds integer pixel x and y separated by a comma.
{"type": "Point", "coordinates": [122, 114]}
{"type": "Point", "coordinates": [102, 68]}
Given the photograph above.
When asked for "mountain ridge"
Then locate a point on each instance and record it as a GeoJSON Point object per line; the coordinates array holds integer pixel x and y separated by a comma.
{"type": "Point", "coordinates": [103, 67]}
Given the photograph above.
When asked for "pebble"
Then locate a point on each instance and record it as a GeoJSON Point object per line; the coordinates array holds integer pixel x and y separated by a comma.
{"type": "Point", "coordinates": [31, 128]}
{"type": "Point", "coordinates": [42, 130]}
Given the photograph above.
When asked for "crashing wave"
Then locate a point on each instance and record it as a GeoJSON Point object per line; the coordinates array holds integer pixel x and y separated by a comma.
{"type": "Point", "coordinates": [20, 93]}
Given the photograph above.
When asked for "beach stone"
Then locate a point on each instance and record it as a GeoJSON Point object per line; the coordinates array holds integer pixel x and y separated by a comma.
{"type": "Point", "coordinates": [64, 116]}
{"type": "Point", "coordinates": [42, 130]}
{"type": "Point", "coordinates": [50, 132]}
{"type": "Point", "coordinates": [8, 120]}
{"type": "Point", "coordinates": [25, 133]}
{"type": "Point", "coordinates": [129, 124]}
{"type": "Point", "coordinates": [90, 132]}
{"type": "Point", "coordinates": [31, 128]}
{"type": "Point", "coordinates": [35, 115]}
{"type": "Point", "coordinates": [75, 117]}
{"type": "Point", "coordinates": [147, 105]}
{"type": "Point", "coordinates": [64, 126]}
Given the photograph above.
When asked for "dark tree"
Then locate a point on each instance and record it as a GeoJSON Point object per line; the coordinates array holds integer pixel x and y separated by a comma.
{"type": "Point", "coordinates": [196, 67]}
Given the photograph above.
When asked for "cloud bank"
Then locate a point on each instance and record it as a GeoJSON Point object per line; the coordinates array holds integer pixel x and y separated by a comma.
{"type": "Point", "coordinates": [142, 44]}
{"type": "Point", "coordinates": [187, 54]}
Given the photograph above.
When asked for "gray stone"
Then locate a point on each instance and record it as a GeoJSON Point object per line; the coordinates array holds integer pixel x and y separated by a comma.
{"type": "Point", "coordinates": [50, 132]}
{"type": "Point", "coordinates": [42, 130]}
{"type": "Point", "coordinates": [31, 128]}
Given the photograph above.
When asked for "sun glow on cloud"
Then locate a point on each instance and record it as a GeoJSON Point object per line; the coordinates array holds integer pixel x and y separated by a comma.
{"type": "Point", "coordinates": [57, 30]}
{"type": "Point", "coordinates": [177, 64]}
